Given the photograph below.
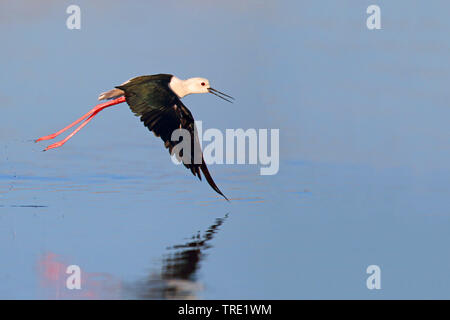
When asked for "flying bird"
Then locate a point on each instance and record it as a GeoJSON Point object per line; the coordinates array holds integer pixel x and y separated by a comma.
{"type": "Point", "coordinates": [156, 99]}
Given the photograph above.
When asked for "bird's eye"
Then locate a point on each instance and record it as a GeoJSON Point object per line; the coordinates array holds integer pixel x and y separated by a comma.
{"type": "Point", "coordinates": [202, 83]}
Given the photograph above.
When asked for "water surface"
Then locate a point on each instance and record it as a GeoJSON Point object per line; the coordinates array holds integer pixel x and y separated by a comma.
{"type": "Point", "coordinates": [364, 158]}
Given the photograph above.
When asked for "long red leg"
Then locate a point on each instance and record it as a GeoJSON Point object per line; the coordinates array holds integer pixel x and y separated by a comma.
{"type": "Point", "coordinates": [96, 109]}
{"type": "Point", "coordinates": [60, 143]}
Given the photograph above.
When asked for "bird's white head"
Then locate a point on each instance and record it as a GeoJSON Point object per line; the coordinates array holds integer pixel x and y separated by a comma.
{"type": "Point", "coordinates": [194, 85]}
{"type": "Point", "coordinates": [197, 85]}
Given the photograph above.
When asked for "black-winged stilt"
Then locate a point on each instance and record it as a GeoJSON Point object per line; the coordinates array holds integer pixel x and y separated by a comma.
{"type": "Point", "coordinates": [156, 100]}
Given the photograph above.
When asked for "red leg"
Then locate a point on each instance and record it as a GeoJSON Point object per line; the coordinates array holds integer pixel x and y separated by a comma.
{"type": "Point", "coordinates": [96, 109]}
{"type": "Point", "coordinates": [60, 143]}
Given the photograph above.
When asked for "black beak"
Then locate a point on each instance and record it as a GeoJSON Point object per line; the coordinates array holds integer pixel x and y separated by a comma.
{"type": "Point", "coordinates": [220, 95]}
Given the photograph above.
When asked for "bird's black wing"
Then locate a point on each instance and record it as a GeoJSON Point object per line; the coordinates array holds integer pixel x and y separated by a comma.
{"type": "Point", "coordinates": [146, 93]}
{"type": "Point", "coordinates": [162, 112]}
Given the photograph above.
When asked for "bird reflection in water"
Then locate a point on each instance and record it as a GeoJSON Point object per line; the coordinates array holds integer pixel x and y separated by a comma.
{"type": "Point", "coordinates": [178, 277]}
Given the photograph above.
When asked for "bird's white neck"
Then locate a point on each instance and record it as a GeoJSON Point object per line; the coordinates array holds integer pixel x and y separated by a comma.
{"type": "Point", "coordinates": [179, 87]}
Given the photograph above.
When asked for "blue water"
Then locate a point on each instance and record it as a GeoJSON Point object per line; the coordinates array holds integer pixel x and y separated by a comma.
{"type": "Point", "coordinates": [364, 158]}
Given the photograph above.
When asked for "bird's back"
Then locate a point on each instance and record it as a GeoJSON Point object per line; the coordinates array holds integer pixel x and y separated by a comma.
{"type": "Point", "coordinates": [146, 93]}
